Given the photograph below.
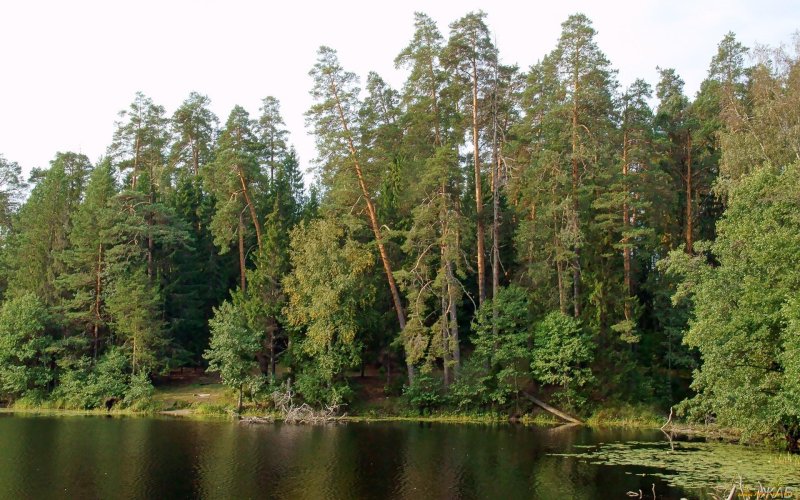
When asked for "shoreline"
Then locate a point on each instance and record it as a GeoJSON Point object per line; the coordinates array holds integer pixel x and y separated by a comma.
{"type": "Point", "coordinates": [709, 432]}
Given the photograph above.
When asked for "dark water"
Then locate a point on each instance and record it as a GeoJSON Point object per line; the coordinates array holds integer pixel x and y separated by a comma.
{"type": "Point", "coordinates": [96, 457]}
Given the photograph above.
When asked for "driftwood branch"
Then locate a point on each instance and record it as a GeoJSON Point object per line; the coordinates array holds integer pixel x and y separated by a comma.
{"type": "Point", "coordinates": [669, 420]}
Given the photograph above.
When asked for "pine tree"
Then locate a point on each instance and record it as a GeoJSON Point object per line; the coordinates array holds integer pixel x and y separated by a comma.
{"type": "Point", "coordinates": [471, 54]}
{"type": "Point", "coordinates": [41, 235]}
{"type": "Point", "coordinates": [334, 118]}
{"type": "Point", "coordinates": [585, 115]}
{"type": "Point", "coordinates": [196, 279]}
{"type": "Point", "coordinates": [139, 141]}
{"type": "Point", "coordinates": [272, 135]}
{"type": "Point", "coordinates": [675, 126]}
{"type": "Point", "coordinates": [194, 129]}
{"type": "Point", "coordinates": [139, 148]}
{"type": "Point", "coordinates": [86, 276]}
{"type": "Point", "coordinates": [233, 178]}
{"type": "Point", "coordinates": [11, 186]}
{"type": "Point", "coordinates": [133, 306]}
{"type": "Point", "coordinates": [430, 278]}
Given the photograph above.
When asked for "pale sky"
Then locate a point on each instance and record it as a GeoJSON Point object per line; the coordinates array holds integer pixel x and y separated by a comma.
{"type": "Point", "coordinates": [68, 67]}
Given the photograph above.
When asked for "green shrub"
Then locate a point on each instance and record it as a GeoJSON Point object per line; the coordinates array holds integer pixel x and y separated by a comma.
{"type": "Point", "coordinates": [561, 356]}
{"type": "Point", "coordinates": [469, 390]}
{"type": "Point", "coordinates": [139, 392]}
{"type": "Point", "coordinates": [425, 393]}
{"type": "Point", "coordinates": [502, 337]}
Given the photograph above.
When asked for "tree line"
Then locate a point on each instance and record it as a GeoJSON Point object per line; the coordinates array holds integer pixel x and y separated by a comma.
{"type": "Point", "coordinates": [479, 231]}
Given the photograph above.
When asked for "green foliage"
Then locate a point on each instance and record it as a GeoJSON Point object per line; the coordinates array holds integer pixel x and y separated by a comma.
{"type": "Point", "coordinates": [502, 341]}
{"type": "Point", "coordinates": [23, 346]}
{"type": "Point", "coordinates": [326, 289]}
{"type": "Point", "coordinates": [233, 346]}
{"type": "Point", "coordinates": [41, 235]}
{"type": "Point", "coordinates": [471, 389]}
{"type": "Point", "coordinates": [139, 391]}
{"type": "Point", "coordinates": [86, 386]}
{"type": "Point", "coordinates": [129, 269]}
{"type": "Point", "coordinates": [11, 186]}
{"type": "Point", "coordinates": [562, 352]}
{"type": "Point", "coordinates": [425, 393]}
{"type": "Point", "coordinates": [744, 306]}
{"type": "Point", "coordinates": [133, 305]}
{"type": "Point", "coordinates": [320, 378]}
{"type": "Point", "coordinates": [327, 292]}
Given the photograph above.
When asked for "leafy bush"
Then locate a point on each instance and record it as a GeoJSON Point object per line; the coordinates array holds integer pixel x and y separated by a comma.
{"type": "Point", "coordinates": [233, 347]}
{"type": "Point", "coordinates": [561, 356]}
{"type": "Point", "coordinates": [23, 346]}
{"type": "Point", "coordinates": [317, 390]}
{"type": "Point", "coordinates": [86, 387]}
{"type": "Point", "coordinates": [425, 392]}
{"type": "Point", "coordinates": [502, 342]}
{"type": "Point", "coordinates": [139, 392]}
{"type": "Point", "coordinates": [469, 390]}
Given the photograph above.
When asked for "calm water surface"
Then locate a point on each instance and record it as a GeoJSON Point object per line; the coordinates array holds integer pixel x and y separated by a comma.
{"type": "Point", "coordinates": [96, 457]}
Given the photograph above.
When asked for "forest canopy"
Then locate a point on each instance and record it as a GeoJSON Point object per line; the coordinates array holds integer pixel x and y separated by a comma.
{"type": "Point", "coordinates": [480, 231]}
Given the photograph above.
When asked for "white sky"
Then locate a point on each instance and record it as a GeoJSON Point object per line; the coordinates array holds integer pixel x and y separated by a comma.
{"type": "Point", "coordinates": [68, 67]}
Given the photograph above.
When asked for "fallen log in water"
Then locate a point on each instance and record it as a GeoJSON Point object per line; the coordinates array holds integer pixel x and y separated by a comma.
{"type": "Point", "coordinates": [555, 411]}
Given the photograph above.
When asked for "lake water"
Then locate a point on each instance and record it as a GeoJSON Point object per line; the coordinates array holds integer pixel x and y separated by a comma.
{"type": "Point", "coordinates": [97, 457]}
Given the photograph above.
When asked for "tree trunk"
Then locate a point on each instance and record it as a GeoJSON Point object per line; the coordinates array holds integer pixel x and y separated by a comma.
{"type": "Point", "coordinates": [495, 208]}
{"type": "Point", "coordinates": [552, 410]}
{"type": "Point", "coordinates": [478, 188]}
{"type": "Point", "coordinates": [242, 269]}
{"type": "Point", "coordinates": [452, 294]}
{"type": "Point", "coordinates": [137, 146]}
{"type": "Point", "coordinates": [151, 198]}
{"type": "Point", "coordinates": [239, 404]}
{"type": "Point", "coordinates": [626, 250]}
{"type": "Point", "coordinates": [562, 291]}
{"type": "Point", "coordinates": [97, 291]}
{"type": "Point", "coordinates": [495, 235]}
{"type": "Point", "coordinates": [195, 156]}
{"type": "Point", "coordinates": [444, 324]}
{"type": "Point", "coordinates": [689, 226]}
{"type": "Point", "coordinates": [250, 207]}
{"type": "Point", "coordinates": [373, 219]}
{"type": "Point", "coordinates": [576, 266]}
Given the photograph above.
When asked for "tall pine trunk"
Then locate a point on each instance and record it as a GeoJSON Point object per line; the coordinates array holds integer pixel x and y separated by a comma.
{"type": "Point", "coordinates": [242, 269]}
{"type": "Point", "coordinates": [373, 220]}
{"type": "Point", "coordinates": [626, 250]}
{"type": "Point", "coordinates": [481, 229]}
{"type": "Point", "coordinates": [97, 292]}
{"type": "Point", "coordinates": [576, 265]}
{"type": "Point", "coordinates": [444, 323]}
{"type": "Point", "coordinates": [250, 206]}
{"type": "Point", "coordinates": [495, 212]}
{"type": "Point", "coordinates": [689, 214]}
{"type": "Point", "coordinates": [452, 295]}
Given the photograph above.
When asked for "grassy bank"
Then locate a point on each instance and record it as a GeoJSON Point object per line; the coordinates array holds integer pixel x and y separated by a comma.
{"type": "Point", "coordinates": [213, 400]}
